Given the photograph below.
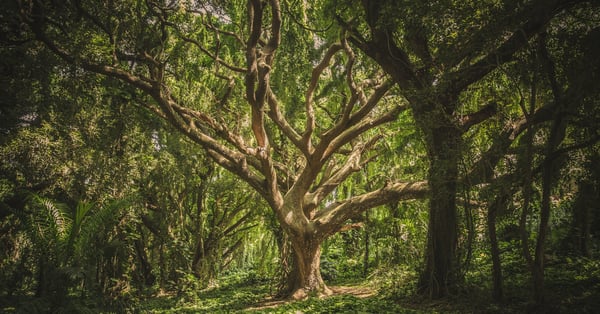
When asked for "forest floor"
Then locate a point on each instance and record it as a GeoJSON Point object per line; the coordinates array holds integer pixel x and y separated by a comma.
{"type": "Point", "coordinates": [572, 286]}
{"type": "Point", "coordinates": [359, 292]}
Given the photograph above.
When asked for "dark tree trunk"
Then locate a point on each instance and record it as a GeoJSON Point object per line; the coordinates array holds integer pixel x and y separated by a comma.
{"type": "Point", "coordinates": [499, 203]}
{"type": "Point", "coordinates": [538, 264]}
{"type": "Point", "coordinates": [441, 273]}
{"type": "Point", "coordinates": [556, 136]}
{"type": "Point", "coordinates": [145, 265]}
{"type": "Point", "coordinates": [582, 218]}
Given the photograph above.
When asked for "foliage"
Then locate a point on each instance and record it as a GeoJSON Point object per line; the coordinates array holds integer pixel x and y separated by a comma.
{"type": "Point", "coordinates": [179, 156]}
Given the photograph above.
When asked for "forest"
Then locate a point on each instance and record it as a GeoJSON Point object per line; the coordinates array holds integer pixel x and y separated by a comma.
{"type": "Point", "coordinates": [295, 156]}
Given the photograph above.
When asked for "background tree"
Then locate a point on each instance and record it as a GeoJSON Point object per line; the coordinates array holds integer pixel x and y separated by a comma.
{"type": "Point", "coordinates": [435, 53]}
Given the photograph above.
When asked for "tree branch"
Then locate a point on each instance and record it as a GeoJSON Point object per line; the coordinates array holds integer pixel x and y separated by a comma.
{"type": "Point", "coordinates": [537, 17]}
{"type": "Point", "coordinates": [483, 169]}
{"type": "Point", "coordinates": [337, 213]}
{"type": "Point", "coordinates": [466, 122]}
{"type": "Point", "coordinates": [310, 112]}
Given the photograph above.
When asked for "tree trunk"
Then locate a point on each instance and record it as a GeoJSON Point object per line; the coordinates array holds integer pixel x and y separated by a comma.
{"type": "Point", "coordinates": [305, 278]}
{"type": "Point", "coordinates": [538, 264]}
{"type": "Point", "coordinates": [441, 272]}
{"type": "Point", "coordinates": [582, 218]}
{"type": "Point", "coordinates": [498, 204]}
{"type": "Point", "coordinates": [145, 265]}
{"type": "Point", "coordinates": [367, 243]}
{"type": "Point", "coordinates": [557, 134]}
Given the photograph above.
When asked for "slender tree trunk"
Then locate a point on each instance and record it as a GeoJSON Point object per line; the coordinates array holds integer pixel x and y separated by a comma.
{"type": "Point", "coordinates": [441, 272]}
{"type": "Point", "coordinates": [538, 264]}
{"type": "Point", "coordinates": [557, 134]}
{"type": "Point", "coordinates": [367, 243]}
{"type": "Point", "coordinates": [497, 205]}
{"type": "Point", "coordinates": [145, 265]}
{"type": "Point", "coordinates": [527, 171]}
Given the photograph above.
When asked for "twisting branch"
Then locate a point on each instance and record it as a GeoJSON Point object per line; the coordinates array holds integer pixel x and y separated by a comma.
{"type": "Point", "coordinates": [339, 212]}
{"type": "Point", "coordinates": [259, 62]}
{"type": "Point", "coordinates": [277, 117]}
{"type": "Point", "coordinates": [357, 92]}
{"type": "Point", "coordinates": [335, 177]}
{"type": "Point", "coordinates": [310, 112]}
{"type": "Point", "coordinates": [275, 39]}
{"type": "Point", "coordinates": [255, 12]}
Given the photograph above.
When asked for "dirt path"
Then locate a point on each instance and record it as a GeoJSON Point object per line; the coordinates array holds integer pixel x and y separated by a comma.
{"type": "Point", "coordinates": [357, 291]}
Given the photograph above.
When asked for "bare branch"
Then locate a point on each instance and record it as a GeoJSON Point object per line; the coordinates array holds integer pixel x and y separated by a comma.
{"type": "Point", "coordinates": [337, 213]}
{"type": "Point", "coordinates": [277, 117]}
{"type": "Point", "coordinates": [483, 169]}
{"type": "Point", "coordinates": [351, 165]}
{"type": "Point", "coordinates": [310, 112]}
{"type": "Point", "coordinates": [467, 121]}
{"type": "Point", "coordinates": [357, 126]}
{"type": "Point", "coordinates": [537, 17]}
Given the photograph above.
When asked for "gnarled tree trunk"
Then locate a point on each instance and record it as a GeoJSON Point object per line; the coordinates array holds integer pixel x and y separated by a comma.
{"type": "Point", "coordinates": [305, 278]}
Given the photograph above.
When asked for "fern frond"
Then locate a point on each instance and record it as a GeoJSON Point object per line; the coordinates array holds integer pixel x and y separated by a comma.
{"type": "Point", "coordinates": [52, 218]}
{"type": "Point", "coordinates": [97, 223]}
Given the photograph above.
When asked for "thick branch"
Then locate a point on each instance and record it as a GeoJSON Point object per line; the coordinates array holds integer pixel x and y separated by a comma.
{"type": "Point", "coordinates": [466, 122]}
{"type": "Point", "coordinates": [336, 214]}
{"type": "Point", "coordinates": [483, 170]}
{"type": "Point", "coordinates": [538, 16]}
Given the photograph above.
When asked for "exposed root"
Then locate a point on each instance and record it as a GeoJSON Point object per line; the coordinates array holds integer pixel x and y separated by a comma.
{"type": "Point", "coordinates": [303, 293]}
{"type": "Point", "coordinates": [300, 294]}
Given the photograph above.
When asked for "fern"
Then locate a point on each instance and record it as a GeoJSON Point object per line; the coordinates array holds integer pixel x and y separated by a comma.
{"type": "Point", "coordinates": [96, 224]}
{"type": "Point", "coordinates": [50, 224]}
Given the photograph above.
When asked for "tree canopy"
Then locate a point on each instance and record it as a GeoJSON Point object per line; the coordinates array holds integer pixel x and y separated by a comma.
{"type": "Point", "coordinates": [217, 122]}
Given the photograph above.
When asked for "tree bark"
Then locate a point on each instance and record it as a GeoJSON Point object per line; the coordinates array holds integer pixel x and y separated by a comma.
{"type": "Point", "coordinates": [305, 278]}
{"type": "Point", "coordinates": [583, 218]}
{"type": "Point", "coordinates": [441, 272]}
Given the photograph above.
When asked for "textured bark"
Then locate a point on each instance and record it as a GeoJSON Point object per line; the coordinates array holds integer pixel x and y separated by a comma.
{"type": "Point", "coordinates": [441, 274]}
{"type": "Point", "coordinates": [306, 279]}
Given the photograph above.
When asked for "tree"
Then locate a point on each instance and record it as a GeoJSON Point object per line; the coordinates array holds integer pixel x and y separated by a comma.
{"type": "Point", "coordinates": [207, 69]}
{"type": "Point", "coordinates": [434, 53]}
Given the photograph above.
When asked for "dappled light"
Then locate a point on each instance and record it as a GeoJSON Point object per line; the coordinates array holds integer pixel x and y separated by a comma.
{"type": "Point", "coordinates": [295, 156]}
